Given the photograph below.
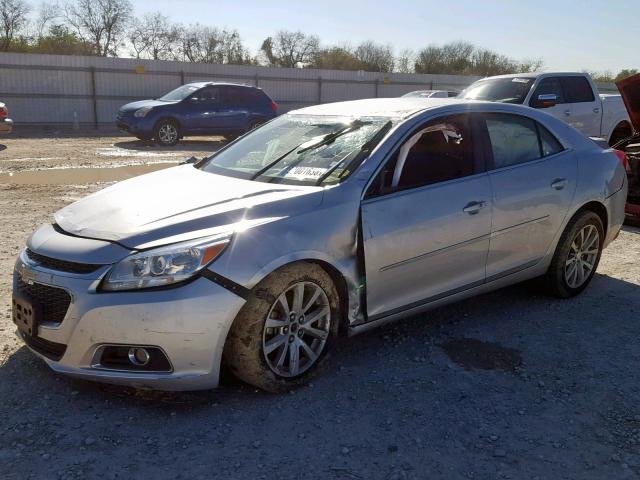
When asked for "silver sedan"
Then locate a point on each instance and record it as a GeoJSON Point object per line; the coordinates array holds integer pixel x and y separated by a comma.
{"type": "Point", "coordinates": [326, 221]}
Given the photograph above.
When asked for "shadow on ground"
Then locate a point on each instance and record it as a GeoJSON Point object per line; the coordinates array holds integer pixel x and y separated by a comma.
{"type": "Point", "coordinates": [184, 145]}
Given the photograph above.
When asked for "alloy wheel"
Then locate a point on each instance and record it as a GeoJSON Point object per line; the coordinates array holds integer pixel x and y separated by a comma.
{"type": "Point", "coordinates": [582, 256]}
{"type": "Point", "coordinates": [168, 133]}
{"type": "Point", "coordinates": [296, 329]}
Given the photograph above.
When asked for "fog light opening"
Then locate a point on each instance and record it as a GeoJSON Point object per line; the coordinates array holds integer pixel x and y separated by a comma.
{"type": "Point", "coordinates": [139, 356]}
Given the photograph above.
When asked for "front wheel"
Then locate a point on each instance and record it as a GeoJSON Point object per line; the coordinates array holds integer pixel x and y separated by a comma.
{"type": "Point", "coordinates": [167, 133]}
{"type": "Point", "coordinates": [577, 255]}
{"type": "Point", "coordinates": [285, 329]}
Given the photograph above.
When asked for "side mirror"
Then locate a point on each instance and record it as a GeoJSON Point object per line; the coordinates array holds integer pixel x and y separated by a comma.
{"type": "Point", "coordinates": [545, 100]}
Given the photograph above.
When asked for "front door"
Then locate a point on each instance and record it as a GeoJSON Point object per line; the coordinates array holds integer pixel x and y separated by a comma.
{"type": "Point", "coordinates": [427, 219]}
{"type": "Point", "coordinates": [202, 111]}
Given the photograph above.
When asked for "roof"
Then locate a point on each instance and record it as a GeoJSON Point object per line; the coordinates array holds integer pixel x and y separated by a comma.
{"type": "Point", "coordinates": [202, 84]}
{"type": "Point", "coordinates": [377, 107]}
{"type": "Point", "coordinates": [535, 75]}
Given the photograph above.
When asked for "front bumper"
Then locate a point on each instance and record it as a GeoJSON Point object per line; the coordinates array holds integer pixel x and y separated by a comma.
{"type": "Point", "coordinates": [188, 323]}
{"type": "Point", "coordinates": [6, 126]}
{"type": "Point", "coordinates": [136, 126]}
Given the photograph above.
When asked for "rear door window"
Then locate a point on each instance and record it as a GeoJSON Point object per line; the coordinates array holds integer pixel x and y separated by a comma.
{"type": "Point", "coordinates": [577, 89]}
{"type": "Point", "coordinates": [245, 97]}
{"type": "Point", "coordinates": [515, 139]}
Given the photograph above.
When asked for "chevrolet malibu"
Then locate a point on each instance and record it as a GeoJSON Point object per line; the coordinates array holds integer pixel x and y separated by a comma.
{"type": "Point", "coordinates": [326, 221]}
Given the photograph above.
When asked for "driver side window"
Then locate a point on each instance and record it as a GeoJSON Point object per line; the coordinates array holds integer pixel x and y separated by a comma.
{"type": "Point", "coordinates": [548, 86]}
{"type": "Point", "coordinates": [438, 151]}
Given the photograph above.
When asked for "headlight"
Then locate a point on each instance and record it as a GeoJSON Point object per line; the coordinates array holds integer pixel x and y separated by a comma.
{"type": "Point", "coordinates": [142, 112]}
{"type": "Point", "coordinates": [164, 265]}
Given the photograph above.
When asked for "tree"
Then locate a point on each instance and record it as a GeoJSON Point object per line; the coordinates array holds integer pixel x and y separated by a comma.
{"type": "Point", "coordinates": [463, 58]}
{"type": "Point", "coordinates": [335, 58]}
{"type": "Point", "coordinates": [212, 45]}
{"type": "Point", "coordinates": [13, 18]}
{"type": "Point", "coordinates": [154, 36]}
{"type": "Point", "coordinates": [101, 22]}
{"type": "Point", "coordinates": [405, 61]}
{"type": "Point", "coordinates": [47, 13]}
{"type": "Point", "coordinates": [60, 40]}
{"type": "Point", "coordinates": [374, 57]}
{"type": "Point", "coordinates": [290, 49]}
{"type": "Point", "coordinates": [627, 72]}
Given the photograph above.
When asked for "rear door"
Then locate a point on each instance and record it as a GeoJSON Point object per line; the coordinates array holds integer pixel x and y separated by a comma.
{"type": "Point", "coordinates": [533, 179]}
{"type": "Point", "coordinates": [584, 107]}
{"type": "Point", "coordinates": [426, 219]}
{"type": "Point", "coordinates": [235, 111]}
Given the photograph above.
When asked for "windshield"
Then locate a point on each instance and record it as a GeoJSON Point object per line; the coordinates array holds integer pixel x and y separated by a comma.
{"type": "Point", "coordinates": [299, 149]}
{"type": "Point", "coordinates": [179, 93]}
{"type": "Point", "coordinates": [505, 90]}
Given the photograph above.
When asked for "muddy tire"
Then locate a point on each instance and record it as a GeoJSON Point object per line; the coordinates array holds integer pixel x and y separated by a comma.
{"type": "Point", "coordinates": [167, 133]}
{"type": "Point", "coordinates": [577, 256]}
{"type": "Point", "coordinates": [285, 330]}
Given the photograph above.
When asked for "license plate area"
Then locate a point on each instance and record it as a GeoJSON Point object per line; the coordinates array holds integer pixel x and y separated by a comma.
{"type": "Point", "coordinates": [25, 314]}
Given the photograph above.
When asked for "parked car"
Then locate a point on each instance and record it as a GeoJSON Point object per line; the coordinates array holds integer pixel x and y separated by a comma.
{"type": "Point", "coordinates": [327, 221]}
{"type": "Point", "coordinates": [430, 94]}
{"type": "Point", "coordinates": [201, 108]}
{"type": "Point", "coordinates": [571, 97]}
{"type": "Point", "coordinates": [630, 146]}
{"type": "Point", "coordinates": [6, 124]}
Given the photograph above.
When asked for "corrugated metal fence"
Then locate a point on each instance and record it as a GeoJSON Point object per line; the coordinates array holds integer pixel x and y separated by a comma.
{"type": "Point", "coordinates": [62, 89]}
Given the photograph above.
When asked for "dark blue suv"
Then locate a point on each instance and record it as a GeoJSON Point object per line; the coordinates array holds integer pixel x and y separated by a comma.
{"type": "Point", "coordinates": [201, 108]}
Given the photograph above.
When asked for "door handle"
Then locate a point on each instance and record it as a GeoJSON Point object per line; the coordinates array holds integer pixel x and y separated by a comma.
{"type": "Point", "coordinates": [596, 110]}
{"type": "Point", "coordinates": [567, 112]}
{"type": "Point", "coordinates": [473, 207]}
{"type": "Point", "coordinates": [559, 183]}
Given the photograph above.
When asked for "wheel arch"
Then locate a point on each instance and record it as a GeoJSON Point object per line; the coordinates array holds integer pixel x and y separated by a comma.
{"type": "Point", "coordinates": [620, 125]}
{"type": "Point", "coordinates": [599, 209]}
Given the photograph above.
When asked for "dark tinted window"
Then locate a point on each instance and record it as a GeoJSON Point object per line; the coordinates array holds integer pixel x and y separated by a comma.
{"type": "Point", "coordinates": [246, 97]}
{"type": "Point", "coordinates": [577, 89]}
{"type": "Point", "coordinates": [207, 94]}
{"type": "Point", "coordinates": [548, 86]}
{"type": "Point", "coordinates": [442, 152]}
{"type": "Point", "coordinates": [515, 139]}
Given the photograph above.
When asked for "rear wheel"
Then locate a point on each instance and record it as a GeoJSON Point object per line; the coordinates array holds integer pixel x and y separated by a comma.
{"type": "Point", "coordinates": [167, 133]}
{"type": "Point", "coordinates": [577, 255]}
{"type": "Point", "coordinates": [284, 331]}
{"type": "Point", "coordinates": [621, 132]}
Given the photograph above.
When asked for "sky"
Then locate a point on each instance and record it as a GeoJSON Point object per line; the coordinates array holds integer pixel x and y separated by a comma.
{"type": "Point", "coordinates": [595, 35]}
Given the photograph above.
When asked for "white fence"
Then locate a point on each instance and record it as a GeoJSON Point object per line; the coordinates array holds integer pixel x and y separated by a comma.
{"type": "Point", "coordinates": [62, 89]}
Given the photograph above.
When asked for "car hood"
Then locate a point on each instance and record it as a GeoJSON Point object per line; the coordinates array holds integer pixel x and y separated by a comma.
{"type": "Point", "coordinates": [133, 106]}
{"type": "Point", "coordinates": [181, 203]}
{"type": "Point", "coordinates": [630, 91]}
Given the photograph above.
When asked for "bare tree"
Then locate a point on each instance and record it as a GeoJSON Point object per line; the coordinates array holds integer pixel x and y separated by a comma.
{"type": "Point", "coordinates": [335, 58]}
{"type": "Point", "coordinates": [462, 58]}
{"type": "Point", "coordinates": [290, 49]}
{"type": "Point", "coordinates": [405, 61]}
{"type": "Point", "coordinates": [13, 18]}
{"type": "Point", "coordinates": [374, 57]}
{"type": "Point", "coordinates": [47, 13]}
{"type": "Point", "coordinates": [154, 36]}
{"type": "Point", "coordinates": [212, 45]}
{"type": "Point", "coordinates": [101, 22]}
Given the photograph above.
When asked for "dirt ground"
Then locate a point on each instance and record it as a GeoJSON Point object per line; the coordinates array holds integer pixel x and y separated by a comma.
{"type": "Point", "coordinates": [512, 384]}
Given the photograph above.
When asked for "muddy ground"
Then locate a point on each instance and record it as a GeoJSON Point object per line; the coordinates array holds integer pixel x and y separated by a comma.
{"type": "Point", "coordinates": [512, 384]}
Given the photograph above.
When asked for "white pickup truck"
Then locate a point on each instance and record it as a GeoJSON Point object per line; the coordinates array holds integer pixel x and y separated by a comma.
{"type": "Point", "coordinates": [571, 97]}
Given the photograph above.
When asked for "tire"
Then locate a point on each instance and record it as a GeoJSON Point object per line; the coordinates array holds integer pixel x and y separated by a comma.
{"type": "Point", "coordinates": [561, 279]}
{"type": "Point", "coordinates": [167, 133]}
{"type": "Point", "coordinates": [621, 132]}
{"type": "Point", "coordinates": [250, 351]}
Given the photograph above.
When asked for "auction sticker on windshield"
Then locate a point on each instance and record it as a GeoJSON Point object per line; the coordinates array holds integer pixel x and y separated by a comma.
{"type": "Point", "coordinates": [306, 172]}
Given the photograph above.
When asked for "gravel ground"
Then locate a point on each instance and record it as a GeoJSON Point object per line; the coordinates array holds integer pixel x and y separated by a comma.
{"type": "Point", "coordinates": [511, 384]}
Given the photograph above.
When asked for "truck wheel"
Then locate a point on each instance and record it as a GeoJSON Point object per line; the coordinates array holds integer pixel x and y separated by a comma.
{"type": "Point", "coordinates": [621, 132]}
{"type": "Point", "coordinates": [577, 255]}
{"type": "Point", "coordinates": [167, 133]}
{"type": "Point", "coordinates": [284, 331]}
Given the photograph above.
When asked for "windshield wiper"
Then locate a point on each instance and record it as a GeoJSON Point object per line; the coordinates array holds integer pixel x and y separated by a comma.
{"type": "Point", "coordinates": [356, 124]}
{"type": "Point", "coordinates": [364, 150]}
